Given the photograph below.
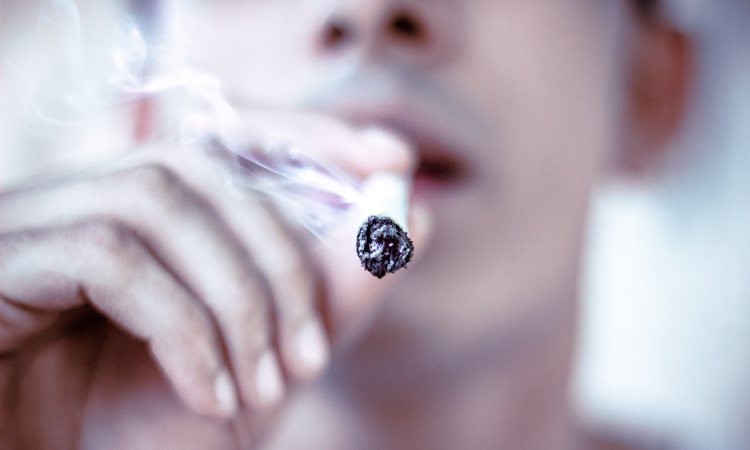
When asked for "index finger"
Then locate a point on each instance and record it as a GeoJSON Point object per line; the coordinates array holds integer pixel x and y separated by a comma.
{"type": "Point", "coordinates": [357, 151]}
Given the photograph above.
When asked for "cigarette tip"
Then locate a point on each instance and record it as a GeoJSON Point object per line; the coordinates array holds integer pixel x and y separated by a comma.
{"type": "Point", "coordinates": [383, 246]}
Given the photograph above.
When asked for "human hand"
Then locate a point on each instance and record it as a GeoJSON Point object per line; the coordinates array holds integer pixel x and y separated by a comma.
{"type": "Point", "coordinates": [219, 306]}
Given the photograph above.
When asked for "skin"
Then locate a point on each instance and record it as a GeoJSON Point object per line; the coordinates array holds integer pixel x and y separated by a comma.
{"type": "Point", "coordinates": [137, 295]}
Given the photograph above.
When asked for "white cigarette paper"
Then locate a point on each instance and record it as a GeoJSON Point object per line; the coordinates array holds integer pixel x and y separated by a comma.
{"type": "Point", "coordinates": [383, 244]}
{"type": "Point", "coordinates": [386, 194]}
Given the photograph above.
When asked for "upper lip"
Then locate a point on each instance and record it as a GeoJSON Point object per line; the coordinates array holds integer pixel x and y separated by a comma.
{"type": "Point", "coordinates": [440, 160]}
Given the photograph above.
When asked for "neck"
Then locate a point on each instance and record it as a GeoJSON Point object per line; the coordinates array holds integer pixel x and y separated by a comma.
{"type": "Point", "coordinates": [515, 400]}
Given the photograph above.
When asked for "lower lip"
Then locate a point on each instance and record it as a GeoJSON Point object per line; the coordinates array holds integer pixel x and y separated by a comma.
{"type": "Point", "coordinates": [429, 188]}
{"type": "Point", "coordinates": [437, 181]}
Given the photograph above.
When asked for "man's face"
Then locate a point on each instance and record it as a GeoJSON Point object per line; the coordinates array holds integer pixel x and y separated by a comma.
{"type": "Point", "coordinates": [511, 106]}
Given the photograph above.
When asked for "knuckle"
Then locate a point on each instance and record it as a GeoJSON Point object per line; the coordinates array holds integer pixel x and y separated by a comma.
{"type": "Point", "coordinates": [161, 192]}
{"type": "Point", "coordinates": [196, 335]}
{"type": "Point", "coordinates": [104, 237]}
{"type": "Point", "coordinates": [155, 177]}
{"type": "Point", "coordinates": [155, 182]}
{"type": "Point", "coordinates": [295, 283]}
{"type": "Point", "coordinates": [256, 320]}
{"type": "Point", "coordinates": [253, 318]}
{"type": "Point", "coordinates": [294, 264]}
{"type": "Point", "coordinates": [297, 268]}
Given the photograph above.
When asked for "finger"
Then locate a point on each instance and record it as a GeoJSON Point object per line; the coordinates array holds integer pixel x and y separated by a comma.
{"type": "Point", "coordinates": [288, 282]}
{"type": "Point", "coordinates": [302, 337]}
{"type": "Point", "coordinates": [280, 256]}
{"type": "Point", "coordinates": [185, 232]}
{"type": "Point", "coordinates": [108, 267]}
{"type": "Point", "coordinates": [331, 142]}
{"type": "Point", "coordinates": [388, 152]}
{"type": "Point", "coordinates": [358, 151]}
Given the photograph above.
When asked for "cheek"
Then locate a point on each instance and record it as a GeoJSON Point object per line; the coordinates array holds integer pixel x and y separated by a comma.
{"type": "Point", "coordinates": [257, 56]}
{"type": "Point", "coordinates": [548, 79]}
{"type": "Point", "coordinates": [552, 85]}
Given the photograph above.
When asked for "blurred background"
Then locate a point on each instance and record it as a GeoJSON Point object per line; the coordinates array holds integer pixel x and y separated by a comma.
{"type": "Point", "coordinates": [58, 111]}
{"type": "Point", "coordinates": [665, 342]}
{"type": "Point", "coordinates": [665, 327]}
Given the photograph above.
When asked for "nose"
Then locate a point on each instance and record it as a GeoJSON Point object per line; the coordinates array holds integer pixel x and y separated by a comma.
{"type": "Point", "coordinates": [413, 32]}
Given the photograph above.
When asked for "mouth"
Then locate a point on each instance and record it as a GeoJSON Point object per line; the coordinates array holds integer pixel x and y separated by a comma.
{"type": "Point", "coordinates": [440, 164]}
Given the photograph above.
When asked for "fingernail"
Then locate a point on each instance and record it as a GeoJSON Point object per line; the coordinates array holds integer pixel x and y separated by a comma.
{"type": "Point", "coordinates": [226, 395]}
{"type": "Point", "coordinates": [312, 346]}
{"type": "Point", "coordinates": [269, 382]}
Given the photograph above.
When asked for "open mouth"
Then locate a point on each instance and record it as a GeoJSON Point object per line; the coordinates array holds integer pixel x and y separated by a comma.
{"type": "Point", "coordinates": [439, 165]}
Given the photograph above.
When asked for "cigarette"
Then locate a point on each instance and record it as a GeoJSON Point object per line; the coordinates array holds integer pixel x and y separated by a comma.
{"type": "Point", "coordinates": [383, 243]}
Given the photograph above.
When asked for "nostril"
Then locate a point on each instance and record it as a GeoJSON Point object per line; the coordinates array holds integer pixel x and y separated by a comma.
{"type": "Point", "coordinates": [406, 26]}
{"type": "Point", "coordinates": [336, 34]}
{"type": "Point", "coordinates": [414, 34]}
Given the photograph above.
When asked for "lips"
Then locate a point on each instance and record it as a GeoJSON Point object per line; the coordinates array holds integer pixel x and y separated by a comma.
{"type": "Point", "coordinates": [439, 164]}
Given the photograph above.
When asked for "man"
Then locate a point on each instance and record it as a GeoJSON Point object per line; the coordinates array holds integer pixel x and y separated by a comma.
{"type": "Point", "coordinates": [145, 306]}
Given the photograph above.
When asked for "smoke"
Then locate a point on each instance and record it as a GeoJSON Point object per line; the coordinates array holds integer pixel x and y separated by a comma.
{"type": "Point", "coordinates": [68, 99]}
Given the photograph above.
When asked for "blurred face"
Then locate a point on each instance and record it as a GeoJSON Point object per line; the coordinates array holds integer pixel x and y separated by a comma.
{"type": "Point", "coordinates": [511, 106]}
